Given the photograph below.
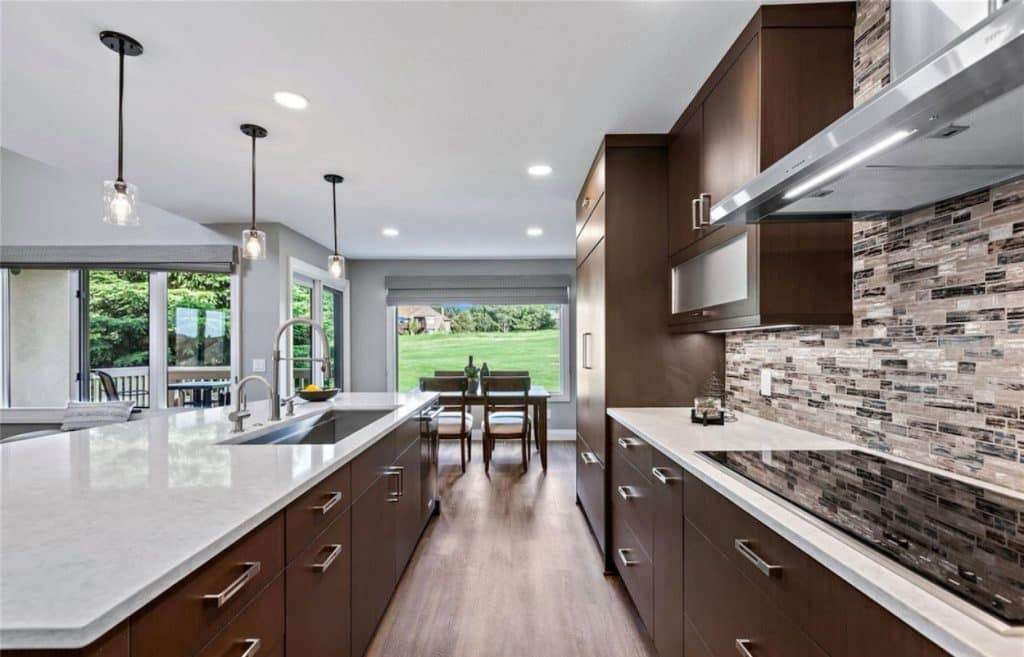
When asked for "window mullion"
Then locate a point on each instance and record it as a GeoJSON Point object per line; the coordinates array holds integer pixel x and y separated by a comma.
{"type": "Point", "coordinates": [158, 340]}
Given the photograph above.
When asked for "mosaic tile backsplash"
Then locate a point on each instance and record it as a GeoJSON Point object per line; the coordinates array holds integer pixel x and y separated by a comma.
{"type": "Point", "coordinates": [933, 367]}
{"type": "Point", "coordinates": [870, 49]}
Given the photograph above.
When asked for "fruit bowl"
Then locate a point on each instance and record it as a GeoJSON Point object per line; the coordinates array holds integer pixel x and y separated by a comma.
{"type": "Point", "coordinates": [317, 395]}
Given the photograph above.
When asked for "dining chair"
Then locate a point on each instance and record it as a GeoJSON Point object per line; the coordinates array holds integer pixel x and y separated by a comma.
{"type": "Point", "coordinates": [533, 432]}
{"type": "Point", "coordinates": [506, 413]}
{"type": "Point", "coordinates": [454, 422]}
{"type": "Point", "coordinates": [449, 373]}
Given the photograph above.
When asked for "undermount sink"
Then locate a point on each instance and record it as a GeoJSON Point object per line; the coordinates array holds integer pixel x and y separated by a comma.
{"type": "Point", "coordinates": [324, 429]}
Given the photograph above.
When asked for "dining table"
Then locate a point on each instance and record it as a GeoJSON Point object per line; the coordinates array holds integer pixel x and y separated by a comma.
{"type": "Point", "coordinates": [537, 399]}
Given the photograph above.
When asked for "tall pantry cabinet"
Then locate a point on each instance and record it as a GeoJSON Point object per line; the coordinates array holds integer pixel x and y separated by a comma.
{"type": "Point", "coordinates": [624, 354]}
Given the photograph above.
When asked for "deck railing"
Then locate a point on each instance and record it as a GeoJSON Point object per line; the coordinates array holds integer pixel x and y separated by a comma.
{"type": "Point", "coordinates": [133, 383]}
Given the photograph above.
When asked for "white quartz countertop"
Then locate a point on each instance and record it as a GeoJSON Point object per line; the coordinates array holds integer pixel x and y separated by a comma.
{"type": "Point", "coordinates": [94, 524]}
{"type": "Point", "coordinates": [949, 622]}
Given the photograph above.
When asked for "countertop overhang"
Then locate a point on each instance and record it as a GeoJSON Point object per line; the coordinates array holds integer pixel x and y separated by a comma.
{"type": "Point", "coordinates": [95, 524]}
{"type": "Point", "coordinates": [934, 613]}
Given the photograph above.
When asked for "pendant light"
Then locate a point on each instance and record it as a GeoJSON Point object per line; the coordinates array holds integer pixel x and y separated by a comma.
{"type": "Point", "coordinates": [120, 199]}
{"type": "Point", "coordinates": [334, 261]}
{"type": "Point", "coordinates": [254, 242]}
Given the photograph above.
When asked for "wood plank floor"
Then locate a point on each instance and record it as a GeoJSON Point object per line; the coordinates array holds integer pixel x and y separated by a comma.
{"type": "Point", "coordinates": [509, 569]}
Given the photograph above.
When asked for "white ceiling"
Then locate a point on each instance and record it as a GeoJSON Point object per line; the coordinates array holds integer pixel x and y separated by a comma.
{"type": "Point", "coordinates": [431, 111]}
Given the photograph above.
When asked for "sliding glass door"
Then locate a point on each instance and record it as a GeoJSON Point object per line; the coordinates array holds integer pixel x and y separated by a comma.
{"type": "Point", "coordinates": [198, 339]}
{"type": "Point", "coordinates": [320, 297]}
{"type": "Point", "coordinates": [115, 332]}
{"type": "Point", "coordinates": [333, 323]}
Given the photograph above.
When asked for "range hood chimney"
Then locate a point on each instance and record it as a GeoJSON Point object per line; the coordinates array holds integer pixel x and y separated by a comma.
{"type": "Point", "coordinates": [951, 122]}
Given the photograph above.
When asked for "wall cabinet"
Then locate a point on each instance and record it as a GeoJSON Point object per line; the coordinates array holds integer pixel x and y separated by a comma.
{"type": "Point", "coordinates": [312, 581]}
{"type": "Point", "coordinates": [625, 357]}
{"type": "Point", "coordinates": [758, 104]}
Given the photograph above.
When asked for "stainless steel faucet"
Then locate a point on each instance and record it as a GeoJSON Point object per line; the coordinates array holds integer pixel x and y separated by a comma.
{"type": "Point", "coordinates": [325, 361]}
{"type": "Point", "coordinates": [239, 414]}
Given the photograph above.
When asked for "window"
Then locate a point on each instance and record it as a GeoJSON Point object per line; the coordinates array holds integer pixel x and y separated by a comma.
{"type": "Point", "coordinates": [116, 334]}
{"type": "Point", "coordinates": [505, 337]}
{"type": "Point", "coordinates": [96, 334]}
{"type": "Point", "coordinates": [317, 295]}
{"type": "Point", "coordinates": [302, 338]}
{"type": "Point", "coordinates": [198, 339]}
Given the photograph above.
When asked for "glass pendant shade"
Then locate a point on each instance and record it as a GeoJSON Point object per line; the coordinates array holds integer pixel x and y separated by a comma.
{"type": "Point", "coordinates": [334, 265]}
{"type": "Point", "coordinates": [254, 244]}
{"type": "Point", "coordinates": [120, 203]}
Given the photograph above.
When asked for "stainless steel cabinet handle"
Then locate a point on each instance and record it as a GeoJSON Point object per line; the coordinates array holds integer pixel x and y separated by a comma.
{"type": "Point", "coordinates": [767, 569]}
{"type": "Point", "coordinates": [401, 480]}
{"type": "Point", "coordinates": [585, 348]}
{"type": "Point", "coordinates": [626, 493]}
{"type": "Point", "coordinates": [324, 508]}
{"type": "Point", "coordinates": [705, 209]}
{"type": "Point", "coordinates": [252, 647]}
{"type": "Point", "coordinates": [589, 458]}
{"type": "Point", "coordinates": [393, 495]}
{"type": "Point", "coordinates": [743, 647]}
{"type": "Point", "coordinates": [626, 443]}
{"type": "Point", "coordinates": [625, 561]}
{"type": "Point", "coordinates": [694, 211]}
{"type": "Point", "coordinates": [663, 475]}
{"type": "Point", "coordinates": [252, 569]}
{"type": "Point", "coordinates": [329, 559]}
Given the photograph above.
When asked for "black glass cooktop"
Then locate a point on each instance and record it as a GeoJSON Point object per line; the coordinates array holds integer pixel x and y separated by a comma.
{"type": "Point", "coordinates": [967, 539]}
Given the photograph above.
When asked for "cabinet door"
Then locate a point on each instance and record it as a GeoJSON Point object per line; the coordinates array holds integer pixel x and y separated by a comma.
{"type": "Point", "coordinates": [373, 558]}
{"type": "Point", "coordinates": [668, 556]}
{"type": "Point", "coordinates": [729, 149]}
{"type": "Point", "coordinates": [428, 473]}
{"type": "Point", "coordinates": [590, 419]}
{"type": "Point", "coordinates": [318, 595]}
{"type": "Point", "coordinates": [409, 516]}
{"type": "Point", "coordinates": [684, 183]}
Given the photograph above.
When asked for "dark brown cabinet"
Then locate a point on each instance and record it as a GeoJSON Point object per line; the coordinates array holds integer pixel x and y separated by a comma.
{"type": "Point", "coordinates": [668, 554]}
{"type": "Point", "coordinates": [388, 520]}
{"type": "Point", "coordinates": [733, 594]}
{"type": "Point", "coordinates": [318, 594]}
{"type": "Point", "coordinates": [647, 535]}
{"type": "Point", "coordinates": [758, 104]}
{"type": "Point", "coordinates": [622, 306]}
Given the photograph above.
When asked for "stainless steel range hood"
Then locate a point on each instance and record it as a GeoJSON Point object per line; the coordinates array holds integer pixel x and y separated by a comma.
{"type": "Point", "coordinates": [949, 126]}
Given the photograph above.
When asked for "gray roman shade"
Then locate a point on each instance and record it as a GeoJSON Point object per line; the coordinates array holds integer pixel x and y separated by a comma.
{"type": "Point", "coordinates": [216, 258]}
{"type": "Point", "coordinates": [529, 289]}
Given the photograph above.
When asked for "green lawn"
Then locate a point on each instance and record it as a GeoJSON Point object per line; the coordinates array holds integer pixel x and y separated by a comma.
{"type": "Point", "coordinates": [536, 351]}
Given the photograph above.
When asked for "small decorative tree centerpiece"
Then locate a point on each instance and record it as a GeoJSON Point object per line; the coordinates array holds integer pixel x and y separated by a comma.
{"type": "Point", "coordinates": [472, 373]}
{"type": "Point", "coordinates": [709, 407]}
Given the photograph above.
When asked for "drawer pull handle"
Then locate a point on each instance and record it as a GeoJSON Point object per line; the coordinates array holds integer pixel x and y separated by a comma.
{"type": "Point", "coordinates": [252, 569]}
{"type": "Point", "coordinates": [743, 647]}
{"type": "Point", "coordinates": [626, 493]}
{"type": "Point", "coordinates": [628, 563]}
{"type": "Point", "coordinates": [694, 212]}
{"type": "Point", "coordinates": [325, 508]}
{"type": "Point", "coordinates": [626, 443]}
{"type": "Point", "coordinates": [767, 569]}
{"type": "Point", "coordinates": [252, 647]}
{"type": "Point", "coordinates": [329, 559]}
{"type": "Point", "coordinates": [663, 475]}
{"type": "Point", "coordinates": [589, 458]}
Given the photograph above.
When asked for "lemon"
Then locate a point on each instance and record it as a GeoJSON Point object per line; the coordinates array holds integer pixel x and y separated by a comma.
{"type": "Point", "coordinates": [312, 387]}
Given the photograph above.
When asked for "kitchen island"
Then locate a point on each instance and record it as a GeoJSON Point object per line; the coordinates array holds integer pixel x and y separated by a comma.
{"type": "Point", "coordinates": [102, 525]}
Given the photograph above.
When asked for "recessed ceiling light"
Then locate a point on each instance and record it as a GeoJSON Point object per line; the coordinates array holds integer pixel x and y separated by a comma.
{"type": "Point", "coordinates": [534, 231]}
{"type": "Point", "coordinates": [389, 232]}
{"type": "Point", "coordinates": [539, 170]}
{"type": "Point", "coordinates": [291, 100]}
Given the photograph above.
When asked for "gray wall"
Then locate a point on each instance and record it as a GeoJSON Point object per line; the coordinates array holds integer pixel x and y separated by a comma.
{"type": "Point", "coordinates": [41, 204]}
{"type": "Point", "coordinates": [369, 314]}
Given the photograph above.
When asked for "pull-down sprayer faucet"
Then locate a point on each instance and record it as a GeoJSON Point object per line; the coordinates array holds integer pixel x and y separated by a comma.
{"type": "Point", "coordinates": [325, 361]}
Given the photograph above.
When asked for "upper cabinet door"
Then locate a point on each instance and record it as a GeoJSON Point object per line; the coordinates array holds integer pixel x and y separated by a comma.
{"type": "Point", "coordinates": [684, 182]}
{"type": "Point", "coordinates": [729, 149]}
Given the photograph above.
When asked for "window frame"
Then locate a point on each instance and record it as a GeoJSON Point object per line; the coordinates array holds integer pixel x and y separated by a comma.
{"type": "Point", "coordinates": [321, 278]}
{"type": "Point", "coordinates": [565, 365]}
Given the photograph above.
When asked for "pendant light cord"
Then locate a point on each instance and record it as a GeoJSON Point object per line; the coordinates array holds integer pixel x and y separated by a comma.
{"type": "Point", "coordinates": [254, 181]}
{"type": "Point", "coordinates": [120, 113]}
{"type": "Point", "coordinates": [334, 201]}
